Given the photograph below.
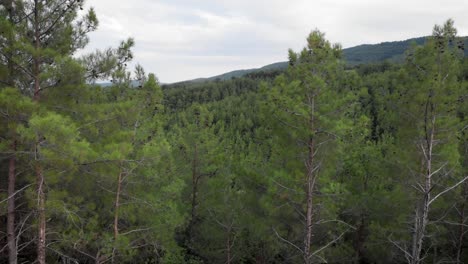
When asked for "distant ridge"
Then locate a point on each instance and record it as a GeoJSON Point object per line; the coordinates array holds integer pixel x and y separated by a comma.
{"type": "Point", "coordinates": [240, 73]}
{"type": "Point", "coordinates": [393, 51]}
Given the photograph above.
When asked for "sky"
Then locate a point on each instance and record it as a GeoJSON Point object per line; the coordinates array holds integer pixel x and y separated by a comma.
{"type": "Point", "coordinates": [185, 39]}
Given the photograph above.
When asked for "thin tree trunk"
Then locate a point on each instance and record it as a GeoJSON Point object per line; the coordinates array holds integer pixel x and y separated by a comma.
{"type": "Point", "coordinates": [36, 56]}
{"type": "Point", "coordinates": [309, 203]}
{"type": "Point", "coordinates": [195, 178]}
{"type": "Point", "coordinates": [41, 245]}
{"type": "Point", "coordinates": [464, 195]}
{"type": "Point", "coordinates": [12, 252]}
{"type": "Point", "coordinates": [421, 220]}
{"type": "Point", "coordinates": [260, 255]}
{"type": "Point", "coordinates": [228, 248]}
{"type": "Point", "coordinates": [11, 236]}
{"type": "Point", "coordinates": [422, 211]}
{"type": "Point", "coordinates": [361, 232]}
{"type": "Point", "coordinates": [98, 258]}
{"type": "Point", "coordinates": [116, 210]}
{"type": "Point", "coordinates": [117, 205]}
{"type": "Point", "coordinates": [461, 227]}
{"type": "Point", "coordinates": [311, 177]}
{"type": "Point", "coordinates": [361, 236]}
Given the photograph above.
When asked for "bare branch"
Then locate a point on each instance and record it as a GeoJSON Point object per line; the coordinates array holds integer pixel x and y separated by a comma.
{"type": "Point", "coordinates": [68, 258]}
{"type": "Point", "coordinates": [407, 254]}
{"type": "Point", "coordinates": [11, 196]}
{"type": "Point", "coordinates": [436, 171]}
{"type": "Point", "coordinates": [329, 244]}
{"type": "Point", "coordinates": [136, 230]}
{"type": "Point", "coordinates": [285, 187]}
{"type": "Point", "coordinates": [337, 221]}
{"type": "Point", "coordinates": [287, 241]}
{"type": "Point", "coordinates": [447, 190]}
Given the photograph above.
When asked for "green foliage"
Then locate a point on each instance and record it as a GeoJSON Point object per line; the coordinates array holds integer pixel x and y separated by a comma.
{"type": "Point", "coordinates": [217, 171]}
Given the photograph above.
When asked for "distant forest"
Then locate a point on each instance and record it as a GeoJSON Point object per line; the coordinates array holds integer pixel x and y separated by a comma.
{"type": "Point", "coordinates": [335, 156]}
{"type": "Point", "coordinates": [391, 52]}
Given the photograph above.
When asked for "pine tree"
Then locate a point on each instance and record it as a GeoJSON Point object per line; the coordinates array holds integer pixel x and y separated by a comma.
{"type": "Point", "coordinates": [16, 110]}
{"type": "Point", "coordinates": [432, 87]}
{"type": "Point", "coordinates": [37, 34]}
{"type": "Point", "coordinates": [307, 103]}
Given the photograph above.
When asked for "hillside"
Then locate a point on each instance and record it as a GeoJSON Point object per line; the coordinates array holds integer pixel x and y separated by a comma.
{"type": "Point", "coordinates": [366, 53]}
{"type": "Point", "coordinates": [241, 73]}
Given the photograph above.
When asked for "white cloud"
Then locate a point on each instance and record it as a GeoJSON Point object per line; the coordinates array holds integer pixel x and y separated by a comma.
{"type": "Point", "coordinates": [183, 39]}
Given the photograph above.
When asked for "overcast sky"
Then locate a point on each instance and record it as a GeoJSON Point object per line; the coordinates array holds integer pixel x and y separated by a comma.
{"type": "Point", "coordinates": [185, 39]}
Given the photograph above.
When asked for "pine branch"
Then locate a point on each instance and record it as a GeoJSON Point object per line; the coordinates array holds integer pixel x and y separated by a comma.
{"type": "Point", "coordinates": [447, 190]}
{"type": "Point", "coordinates": [287, 241]}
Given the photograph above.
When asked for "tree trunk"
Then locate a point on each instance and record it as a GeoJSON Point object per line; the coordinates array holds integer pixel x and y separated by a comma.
{"type": "Point", "coordinates": [362, 230]}
{"type": "Point", "coordinates": [422, 210]}
{"type": "Point", "coordinates": [309, 202]}
{"type": "Point", "coordinates": [419, 231]}
{"type": "Point", "coordinates": [11, 236]}
{"type": "Point", "coordinates": [98, 258]}
{"type": "Point", "coordinates": [464, 196]}
{"type": "Point", "coordinates": [361, 235]}
{"type": "Point", "coordinates": [310, 186]}
{"type": "Point", "coordinates": [12, 253]}
{"type": "Point", "coordinates": [228, 248]}
{"type": "Point", "coordinates": [116, 210]}
{"type": "Point", "coordinates": [195, 178]}
{"type": "Point", "coordinates": [311, 176]}
{"type": "Point", "coordinates": [41, 245]}
{"type": "Point", "coordinates": [461, 227]}
{"type": "Point", "coordinates": [37, 47]}
{"type": "Point", "coordinates": [260, 256]}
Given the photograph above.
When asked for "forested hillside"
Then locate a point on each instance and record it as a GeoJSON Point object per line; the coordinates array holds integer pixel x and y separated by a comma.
{"type": "Point", "coordinates": [393, 52]}
{"type": "Point", "coordinates": [322, 162]}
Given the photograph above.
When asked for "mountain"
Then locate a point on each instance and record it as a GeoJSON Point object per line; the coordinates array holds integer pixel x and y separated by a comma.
{"type": "Point", "coordinates": [393, 51]}
{"type": "Point", "coordinates": [133, 83]}
{"type": "Point", "coordinates": [240, 73]}
{"type": "Point", "coordinates": [371, 53]}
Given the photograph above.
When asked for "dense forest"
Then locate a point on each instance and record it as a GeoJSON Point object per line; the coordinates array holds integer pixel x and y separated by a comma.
{"type": "Point", "coordinates": [363, 54]}
{"type": "Point", "coordinates": [321, 162]}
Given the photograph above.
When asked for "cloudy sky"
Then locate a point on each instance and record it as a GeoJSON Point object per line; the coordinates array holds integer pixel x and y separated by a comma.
{"type": "Point", "coordinates": [185, 39]}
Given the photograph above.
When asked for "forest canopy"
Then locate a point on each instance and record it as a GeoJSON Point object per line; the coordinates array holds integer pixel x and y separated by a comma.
{"type": "Point", "coordinates": [322, 161]}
